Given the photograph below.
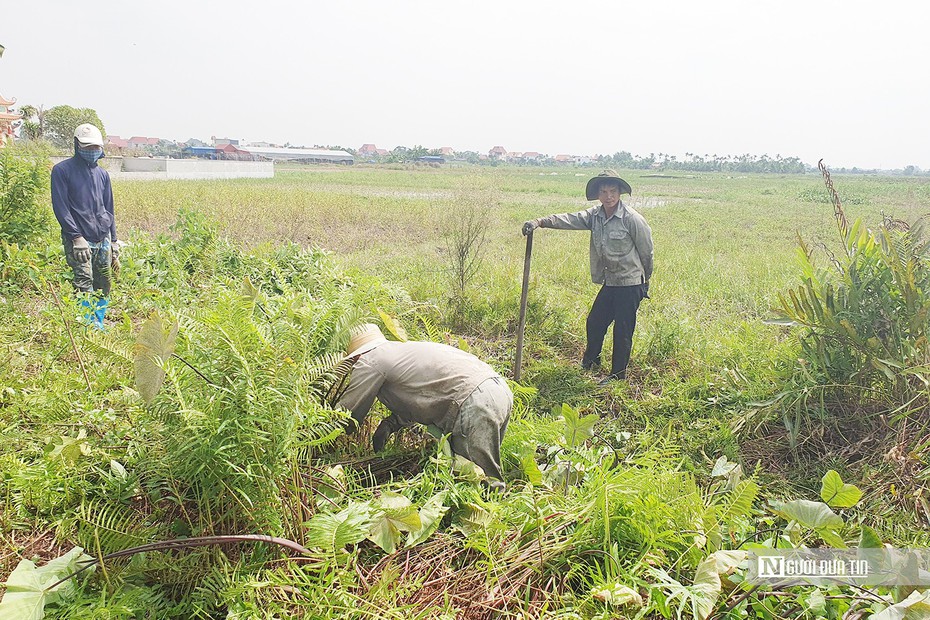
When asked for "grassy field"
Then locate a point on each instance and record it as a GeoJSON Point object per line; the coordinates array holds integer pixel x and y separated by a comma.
{"type": "Point", "coordinates": [725, 248]}
{"type": "Point", "coordinates": [627, 522]}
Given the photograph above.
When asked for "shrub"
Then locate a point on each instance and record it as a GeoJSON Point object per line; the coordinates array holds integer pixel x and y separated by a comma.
{"type": "Point", "coordinates": [24, 214]}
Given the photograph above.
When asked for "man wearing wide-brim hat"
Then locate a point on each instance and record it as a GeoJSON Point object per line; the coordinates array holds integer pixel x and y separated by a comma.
{"type": "Point", "coordinates": [621, 262]}
{"type": "Point", "coordinates": [433, 384]}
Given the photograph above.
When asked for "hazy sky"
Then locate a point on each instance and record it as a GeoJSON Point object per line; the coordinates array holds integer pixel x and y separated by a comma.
{"type": "Point", "coordinates": [846, 81]}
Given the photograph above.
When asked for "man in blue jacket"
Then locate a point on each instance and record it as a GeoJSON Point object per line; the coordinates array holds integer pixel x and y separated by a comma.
{"type": "Point", "coordinates": [82, 199]}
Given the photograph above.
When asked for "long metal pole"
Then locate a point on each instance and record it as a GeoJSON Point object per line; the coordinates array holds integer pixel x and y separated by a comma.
{"type": "Point", "coordinates": [518, 362]}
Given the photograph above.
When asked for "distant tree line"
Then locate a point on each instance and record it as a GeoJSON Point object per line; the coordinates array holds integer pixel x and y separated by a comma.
{"type": "Point", "coordinates": [707, 163]}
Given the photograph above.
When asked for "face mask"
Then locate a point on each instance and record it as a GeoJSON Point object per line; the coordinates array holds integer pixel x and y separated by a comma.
{"type": "Point", "coordinates": [90, 155]}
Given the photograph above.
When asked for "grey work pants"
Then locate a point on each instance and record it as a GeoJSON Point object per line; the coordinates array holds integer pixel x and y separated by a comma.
{"type": "Point", "coordinates": [92, 275]}
{"type": "Point", "coordinates": [480, 426]}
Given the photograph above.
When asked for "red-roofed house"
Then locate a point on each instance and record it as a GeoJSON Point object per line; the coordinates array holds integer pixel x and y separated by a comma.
{"type": "Point", "coordinates": [564, 159]}
{"type": "Point", "coordinates": [447, 151]}
{"type": "Point", "coordinates": [498, 152]}
{"type": "Point", "coordinates": [115, 142]}
{"type": "Point", "coordinates": [368, 149]}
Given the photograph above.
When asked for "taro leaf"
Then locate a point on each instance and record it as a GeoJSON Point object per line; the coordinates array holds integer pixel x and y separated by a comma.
{"type": "Point", "coordinates": [26, 595]}
{"type": "Point", "coordinates": [815, 603]}
{"type": "Point", "coordinates": [71, 448]}
{"type": "Point", "coordinates": [396, 514]}
{"type": "Point", "coordinates": [812, 515]}
{"type": "Point", "coordinates": [869, 538]}
{"type": "Point", "coordinates": [577, 429]}
{"type": "Point", "coordinates": [531, 470]}
{"type": "Point", "coordinates": [333, 531]}
{"type": "Point", "coordinates": [722, 467]}
{"type": "Point", "coordinates": [836, 493]}
{"type": "Point", "coordinates": [914, 607]}
{"type": "Point", "coordinates": [431, 515]}
{"type": "Point", "coordinates": [706, 588]}
{"type": "Point", "coordinates": [249, 292]}
{"type": "Point", "coordinates": [393, 326]}
{"type": "Point", "coordinates": [153, 348]}
{"type": "Point", "coordinates": [617, 595]}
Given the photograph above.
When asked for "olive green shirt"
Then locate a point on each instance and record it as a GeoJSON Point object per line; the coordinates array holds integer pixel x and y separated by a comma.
{"type": "Point", "coordinates": [621, 245]}
{"type": "Point", "coordinates": [419, 382]}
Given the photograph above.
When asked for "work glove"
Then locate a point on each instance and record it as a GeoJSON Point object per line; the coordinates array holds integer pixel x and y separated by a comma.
{"type": "Point", "coordinates": [81, 250]}
{"type": "Point", "coordinates": [530, 226]}
{"type": "Point", "coordinates": [382, 434]}
{"type": "Point", "coordinates": [645, 290]}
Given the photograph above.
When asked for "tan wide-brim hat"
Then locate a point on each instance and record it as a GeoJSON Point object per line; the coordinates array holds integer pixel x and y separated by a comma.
{"type": "Point", "coordinates": [594, 185]}
{"type": "Point", "coordinates": [364, 338]}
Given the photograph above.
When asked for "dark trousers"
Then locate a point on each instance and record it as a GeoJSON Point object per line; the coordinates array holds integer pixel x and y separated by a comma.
{"type": "Point", "coordinates": [617, 305]}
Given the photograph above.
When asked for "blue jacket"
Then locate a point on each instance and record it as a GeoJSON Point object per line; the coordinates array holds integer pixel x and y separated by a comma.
{"type": "Point", "coordinates": [82, 199]}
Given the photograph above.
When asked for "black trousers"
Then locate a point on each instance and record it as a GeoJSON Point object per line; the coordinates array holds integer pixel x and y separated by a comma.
{"type": "Point", "coordinates": [617, 305]}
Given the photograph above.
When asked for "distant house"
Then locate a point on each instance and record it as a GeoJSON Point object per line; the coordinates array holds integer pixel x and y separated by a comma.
{"type": "Point", "coordinates": [532, 156]}
{"type": "Point", "coordinates": [498, 152]}
{"type": "Point", "coordinates": [447, 151]}
{"type": "Point", "coordinates": [514, 155]}
{"type": "Point", "coordinates": [140, 142]}
{"type": "Point", "coordinates": [382, 152]}
{"type": "Point", "coordinates": [224, 141]}
{"type": "Point", "coordinates": [116, 143]}
{"type": "Point", "coordinates": [564, 159]}
{"type": "Point", "coordinates": [432, 159]}
{"type": "Point", "coordinates": [368, 149]}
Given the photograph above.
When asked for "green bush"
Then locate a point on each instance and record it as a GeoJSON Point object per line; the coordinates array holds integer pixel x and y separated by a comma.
{"type": "Point", "coordinates": [24, 212]}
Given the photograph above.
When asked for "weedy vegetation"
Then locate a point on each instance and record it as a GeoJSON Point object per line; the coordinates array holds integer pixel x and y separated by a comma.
{"type": "Point", "coordinates": [189, 461]}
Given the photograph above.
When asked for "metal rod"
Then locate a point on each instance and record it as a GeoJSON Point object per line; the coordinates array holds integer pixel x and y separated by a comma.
{"type": "Point", "coordinates": [518, 362]}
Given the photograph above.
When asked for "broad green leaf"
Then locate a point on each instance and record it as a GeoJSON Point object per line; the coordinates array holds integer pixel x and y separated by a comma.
{"type": "Point", "coordinates": [815, 602]}
{"type": "Point", "coordinates": [27, 591]}
{"type": "Point", "coordinates": [401, 511]}
{"type": "Point", "coordinates": [617, 595]}
{"type": "Point", "coordinates": [393, 326]}
{"type": "Point", "coordinates": [830, 537]}
{"type": "Point", "coordinates": [577, 429]}
{"type": "Point", "coordinates": [869, 538]}
{"type": "Point", "coordinates": [463, 344]}
{"type": "Point", "coordinates": [153, 348]}
{"type": "Point", "coordinates": [117, 469]}
{"type": "Point", "coordinates": [333, 531]}
{"type": "Point", "coordinates": [396, 514]}
{"type": "Point", "coordinates": [467, 470]}
{"type": "Point", "coordinates": [722, 467]}
{"type": "Point", "coordinates": [249, 291]}
{"type": "Point", "coordinates": [914, 607]}
{"type": "Point", "coordinates": [706, 588]}
{"type": "Point", "coordinates": [431, 515]}
{"type": "Point", "coordinates": [812, 515]}
{"type": "Point", "coordinates": [836, 493]}
{"type": "Point", "coordinates": [531, 470]}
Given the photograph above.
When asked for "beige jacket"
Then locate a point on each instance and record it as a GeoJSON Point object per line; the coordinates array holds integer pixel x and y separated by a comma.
{"type": "Point", "coordinates": [621, 246]}
{"type": "Point", "coordinates": [419, 382]}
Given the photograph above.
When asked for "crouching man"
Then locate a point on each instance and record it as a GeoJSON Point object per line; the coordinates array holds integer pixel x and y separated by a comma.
{"type": "Point", "coordinates": [430, 383]}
